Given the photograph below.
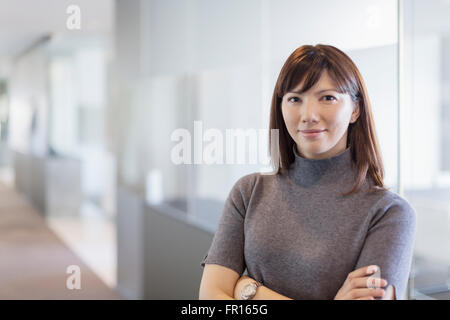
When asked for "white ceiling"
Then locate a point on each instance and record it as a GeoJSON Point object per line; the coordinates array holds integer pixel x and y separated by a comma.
{"type": "Point", "coordinates": [23, 22]}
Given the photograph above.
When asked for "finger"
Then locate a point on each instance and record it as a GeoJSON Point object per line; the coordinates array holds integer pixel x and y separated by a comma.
{"type": "Point", "coordinates": [364, 271]}
{"type": "Point", "coordinates": [366, 298]}
{"type": "Point", "coordinates": [375, 282]}
{"type": "Point", "coordinates": [367, 282]}
{"type": "Point", "coordinates": [359, 293]}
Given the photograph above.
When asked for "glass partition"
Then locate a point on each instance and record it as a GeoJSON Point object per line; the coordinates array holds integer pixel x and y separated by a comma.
{"type": "Point", "coordinates": [221, 77]}
{"type": "Point", "coordinates": [426, 144]}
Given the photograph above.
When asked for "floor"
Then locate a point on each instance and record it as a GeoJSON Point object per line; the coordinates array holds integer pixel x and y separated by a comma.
{"type": "Point", "coordinates": [36, 258]}
{"type": "Point", "coordinates": [92, 237]}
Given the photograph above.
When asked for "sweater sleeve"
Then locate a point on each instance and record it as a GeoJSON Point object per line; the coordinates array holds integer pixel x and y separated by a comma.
{"type": "Point", "coordinates": [227, 247]}
{"type": "Point", "coordinates": [389, 243]}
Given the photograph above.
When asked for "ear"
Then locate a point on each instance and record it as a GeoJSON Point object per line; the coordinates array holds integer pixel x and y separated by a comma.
{"type": "Point", "coordinates": [355, 114]}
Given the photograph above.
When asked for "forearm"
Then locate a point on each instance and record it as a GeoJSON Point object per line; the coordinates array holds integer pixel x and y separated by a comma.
{"type": "Point", "coordinates": [219, 295]}
{"type": "Point", "coordinates": [263, 293]}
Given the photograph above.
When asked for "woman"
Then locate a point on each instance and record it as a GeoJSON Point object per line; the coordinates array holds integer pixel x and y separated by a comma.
{"type": "Point", "coordinates": [296, 232]}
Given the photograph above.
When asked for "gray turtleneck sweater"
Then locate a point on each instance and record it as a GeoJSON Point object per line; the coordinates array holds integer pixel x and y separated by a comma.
{"type": "Point", "coordinates": [295, 234]}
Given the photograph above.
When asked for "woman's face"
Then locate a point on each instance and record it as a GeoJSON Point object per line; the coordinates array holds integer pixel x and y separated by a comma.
{"type": "Point", "coordinates": [322, 108]}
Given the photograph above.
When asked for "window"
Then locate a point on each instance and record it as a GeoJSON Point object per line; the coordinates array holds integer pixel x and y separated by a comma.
{"type": "Point", "coordinates": [426, 143]}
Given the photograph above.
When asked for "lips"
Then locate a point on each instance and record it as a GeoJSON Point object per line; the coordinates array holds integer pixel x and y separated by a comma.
{"type": "Point", "coordinates": [312, 133]}
{"type": "Point", "coordinates": [312, 130]}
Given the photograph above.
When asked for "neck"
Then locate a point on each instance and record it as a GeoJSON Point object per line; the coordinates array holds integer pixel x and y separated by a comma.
{"type": "Point", "coordinates": [308, 172]}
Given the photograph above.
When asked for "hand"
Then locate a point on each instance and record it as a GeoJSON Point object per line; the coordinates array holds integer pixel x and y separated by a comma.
{"type": "Point", "coordinates": [239, 284]}
{"type": "Point", "coordinates": [356, 287]}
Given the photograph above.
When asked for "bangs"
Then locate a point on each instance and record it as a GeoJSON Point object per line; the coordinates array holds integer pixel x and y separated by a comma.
{"type": "Point", "coordinates": [308, 69]}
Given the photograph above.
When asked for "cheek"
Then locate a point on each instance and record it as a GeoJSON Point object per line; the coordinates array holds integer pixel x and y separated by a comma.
{"type": "Point", "coordinates": [339, 118]}
{"type": "Point", "coordinates": [289, 117]}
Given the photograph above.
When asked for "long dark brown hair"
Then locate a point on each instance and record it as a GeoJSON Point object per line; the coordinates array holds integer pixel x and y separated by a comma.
{"type": "Point", "coordinates": [306, 64]}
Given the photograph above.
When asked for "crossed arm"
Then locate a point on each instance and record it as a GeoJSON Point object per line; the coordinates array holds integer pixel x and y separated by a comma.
{"type": "Point", "coordinates": [222, 283]}
{"type": "Point", "coordinates": [264, 293]}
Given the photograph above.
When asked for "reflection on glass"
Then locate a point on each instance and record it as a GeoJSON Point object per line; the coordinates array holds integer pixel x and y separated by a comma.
{"type": "Point", "coordinates": [427, 145]}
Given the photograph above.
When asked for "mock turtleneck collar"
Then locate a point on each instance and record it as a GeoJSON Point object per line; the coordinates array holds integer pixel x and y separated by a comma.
{"type": "Point", "coordinates": [307, 172]}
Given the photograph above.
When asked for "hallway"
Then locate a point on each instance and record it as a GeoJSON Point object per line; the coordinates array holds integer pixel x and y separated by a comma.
{"type": "Point", "coordinates": [37, 259]}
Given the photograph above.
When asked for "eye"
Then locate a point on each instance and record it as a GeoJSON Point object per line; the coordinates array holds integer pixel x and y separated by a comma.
{"type": "Point", "coordinates": [329, 98]}
{"type": "Point", "coordinates": [290, 99]}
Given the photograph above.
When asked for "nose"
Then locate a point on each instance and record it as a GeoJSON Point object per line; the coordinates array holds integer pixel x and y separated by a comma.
{"type": "Point", "coordinates": [308, 112]}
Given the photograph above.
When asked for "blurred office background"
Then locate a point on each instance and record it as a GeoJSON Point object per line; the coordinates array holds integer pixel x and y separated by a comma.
{"type": "Point", "coordinates": [87, 116]}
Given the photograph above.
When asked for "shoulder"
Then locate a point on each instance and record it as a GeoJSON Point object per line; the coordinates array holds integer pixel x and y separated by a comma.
{"type": "Point", "coordinates": [389, 200]}
{"type": "Point", "coordinates": [244, 188]}
{"type": "Point", "coordinates": [393, 207]}
{"type": "Point", "coordinates": [247, 183]}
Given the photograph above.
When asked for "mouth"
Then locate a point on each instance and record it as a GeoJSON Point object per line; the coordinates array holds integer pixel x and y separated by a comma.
{"type": "Point", "coordinates": [312, 130]}
{"type": "Point", "coordinates": [312, 133]}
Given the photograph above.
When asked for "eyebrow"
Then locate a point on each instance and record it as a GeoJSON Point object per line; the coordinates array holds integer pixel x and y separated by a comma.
{"type": "Point", "coordinates": [317, 93]}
